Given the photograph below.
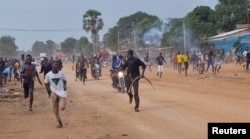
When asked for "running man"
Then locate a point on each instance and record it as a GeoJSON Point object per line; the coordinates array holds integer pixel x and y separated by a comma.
{"type": "Point", "coordinates": [55, 82]}
{"type": "Point", "coordinates": [147, 61]}
{"type": "Point", "coordinates": [28, 73]}
{"type": "Point", "coordinates": [210, 61]}
{"type": "Point", "coordinates": [179, 62]}
{"type": "Point", "coordinates": [133, 71]}
{"type": "Point", "coordinates": [160, 59]}
{"type": "Point", "coordinates": [186, 59]}
{"type": "Point", "coordinates": [218, 61]}
{"type": "Point", "coordinates": [194, 60]}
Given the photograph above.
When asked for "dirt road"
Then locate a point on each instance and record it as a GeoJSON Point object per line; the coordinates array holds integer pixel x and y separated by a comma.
{"type": "Point", "coordinates": [179, 108]}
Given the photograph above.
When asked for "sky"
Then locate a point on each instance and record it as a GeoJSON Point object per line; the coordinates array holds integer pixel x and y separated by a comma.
{"type": "Point", "coordinates": [41, 20]}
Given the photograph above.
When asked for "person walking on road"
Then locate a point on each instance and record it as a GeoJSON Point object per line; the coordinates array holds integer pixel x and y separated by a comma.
{"type": "Point", "coordinates": [147, 61]}
{"type": "Point", "coordinates": [55, 82]}
{"type": "Point", "coordinates": [160, 59]}
{"type": "Point", "coordinates": [186, 60]}
{"type": "Point", "coordinates": [132, 65]}
{"type": "Point", "coordinates": [28, 73]}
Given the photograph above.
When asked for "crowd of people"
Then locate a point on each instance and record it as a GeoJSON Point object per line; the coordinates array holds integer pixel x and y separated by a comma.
{"type": "Point", "coordinates": [25, 72]}
{"type": "Point", "coordinates": [198, 61]}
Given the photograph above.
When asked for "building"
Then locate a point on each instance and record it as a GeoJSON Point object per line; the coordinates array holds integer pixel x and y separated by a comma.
{"type": "Point", "coordinates": [225, 41]}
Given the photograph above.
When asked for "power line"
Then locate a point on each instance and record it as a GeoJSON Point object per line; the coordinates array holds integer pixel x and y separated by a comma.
{"type": "Point", "coordinates": [40, 30]}
{"type": "Point", "coordinates": [44, 30]}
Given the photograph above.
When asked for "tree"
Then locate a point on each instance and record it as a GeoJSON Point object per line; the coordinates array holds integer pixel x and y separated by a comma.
{"type": "Point", "coordinates": [231, 12]}
{"type": "Point", "coordinates": [167, 39]}
{"type": "Point", "coordinates": [93, 23]}
{"type": "Point", "coordinates": [137, 24]}
{"type": "Point", "coordinates": [50, 45]}
{"type": "Point", "coordinates": [68, 45]}
{"type": "Point", "coordinates": [81, 44]}
{"type": "Point", "coordinates": [198, 25]}
{"type": "Point", "coordinates": [111, 39]}
{"type": "Point", "coordinates": [8, 46]}
{"type": "Point", "coordinates": [88, 49]}
{"type": "Point", "coordinates": [39, 47]}
{"type": "Point", "coordinates": [202, 22]}
{"type": "Point", "coordinates": [175, 35]}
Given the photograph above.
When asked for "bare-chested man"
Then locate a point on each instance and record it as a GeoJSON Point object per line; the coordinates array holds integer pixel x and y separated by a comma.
{"type": "Point", "coordinates": [29, 70]}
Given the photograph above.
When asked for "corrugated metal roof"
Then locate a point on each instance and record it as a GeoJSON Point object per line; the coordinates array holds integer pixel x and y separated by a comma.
{"type": "Point", "coordinates": [228, 33]}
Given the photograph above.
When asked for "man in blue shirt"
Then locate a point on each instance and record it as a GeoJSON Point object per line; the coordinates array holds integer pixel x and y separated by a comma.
{"type": "Point", "coordinates": [115, 62]}
{"type": "Point", "coordinates": [7, 73]}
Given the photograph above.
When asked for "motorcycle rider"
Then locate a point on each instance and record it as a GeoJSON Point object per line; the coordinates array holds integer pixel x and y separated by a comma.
{"type": "Point", "coordinates": [114, 68]}
{"type": "Point", "coordinates": [96, 60]}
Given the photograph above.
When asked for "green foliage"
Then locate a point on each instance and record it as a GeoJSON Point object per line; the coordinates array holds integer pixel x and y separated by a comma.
{"type": "Point", "coordinates": [167, 39]}
{"type": "Point", "coordinates": [88, 49]}
{"type": "Point", "coordinates": [81, 45]}
{"type": "Point", "coordinates": [111, 38]}
{"type": "Point", "coordinates": [198, 24]}
{"type": "Point", "coordinates": [92, 22]}
{"type": "Point", "coordinates": [68, 45]}
{"type": "Point", "coordinates": [201, 21]}
{"type": "Point", "coordinates": [39, 47]}
{"type": "Point", "coordinates": [229, 13]}
{"type": "Point", "coordinates": [139, 22]}
{"type": "Point", "coordinates": [8, 46]}
{"type": "Point", "coordinates": [50, 47]}
{"type": "Point", "coordinates": [236, 44]}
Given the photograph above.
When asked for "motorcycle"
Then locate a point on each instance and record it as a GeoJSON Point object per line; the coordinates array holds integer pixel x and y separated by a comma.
{"type": "Point", "coordinates": [96, 72]}
{"type": "Point", "coordinates": [121, 82]}
{"type": "Point", "coordinates": [118, 79]}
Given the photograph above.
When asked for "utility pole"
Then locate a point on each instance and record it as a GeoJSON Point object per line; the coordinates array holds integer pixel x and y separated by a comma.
{"type": "Point", "coordinates": [134, 35]}
{"type": "Point", "coordinates": [184, 36]}
{"type": "Point", "coordinates": [247, 4]}
{"type": "Point", "coordinates": [118, 43]}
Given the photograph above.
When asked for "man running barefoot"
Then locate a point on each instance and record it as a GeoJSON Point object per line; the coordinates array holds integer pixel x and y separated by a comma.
{"type": "Point", "coordinates": [55, 82]}
{"type": "Point", "coordinates": [28, 73]}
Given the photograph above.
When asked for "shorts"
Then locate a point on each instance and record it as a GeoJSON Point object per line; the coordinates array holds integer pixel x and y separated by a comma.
{"type": "Point", "coordinates": [160, 68]}
{"type": "Point", "coordinates": [217, 64]}
{"type": "Point", "coordinates": [148, 63]}
{"type": "Point", "coordinates": [27, 86]}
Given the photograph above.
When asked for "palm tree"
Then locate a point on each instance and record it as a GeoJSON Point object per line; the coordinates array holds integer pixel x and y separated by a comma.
{"type": "Point", "coordinates": [93, 23]}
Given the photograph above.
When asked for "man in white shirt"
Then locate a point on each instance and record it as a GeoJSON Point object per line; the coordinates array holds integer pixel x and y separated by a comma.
{"type": "Point", "coordinates": [55, 82]}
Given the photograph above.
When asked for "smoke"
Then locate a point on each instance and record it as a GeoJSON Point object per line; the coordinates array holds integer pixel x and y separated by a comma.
{"type": "Point", "coordinates": [190, 43]}
{"type": "Point", "coordinates": [152, 38]}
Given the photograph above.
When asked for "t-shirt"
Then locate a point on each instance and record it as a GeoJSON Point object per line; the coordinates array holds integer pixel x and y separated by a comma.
{"type": "Point", "coordinates": [7, 71]}
{"type": "Point", "coordinates": [56, 82]}
{"type": "Point", "coordinates": [185, 58]}
{"type": "Point", "coordinates": [146, 58]}
{"type": "Point", "coordinates": [244, 53]}
{"type": "Point", "coordinates": [217, 58]}
{"type": "Point", "coordinates": [179, 58]}
{"type": "Point", "coordinates": [160, 60]}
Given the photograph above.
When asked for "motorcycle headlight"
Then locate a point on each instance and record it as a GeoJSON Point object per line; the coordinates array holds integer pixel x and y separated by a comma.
{"type": "Point", "coordinates": [120, 74]}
